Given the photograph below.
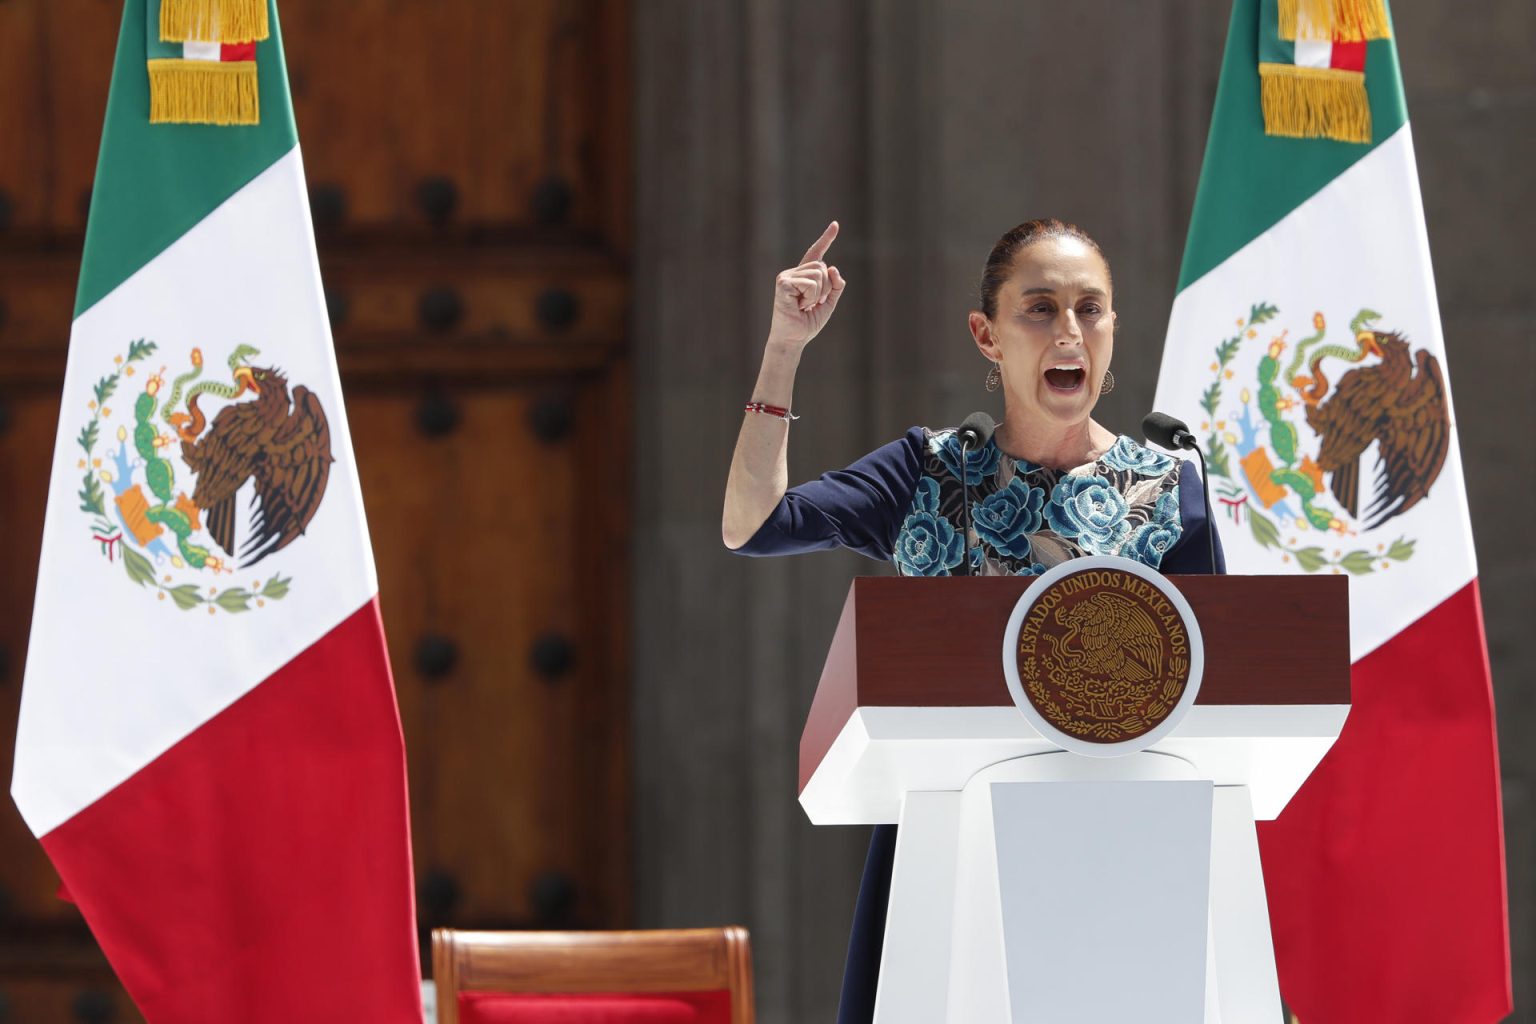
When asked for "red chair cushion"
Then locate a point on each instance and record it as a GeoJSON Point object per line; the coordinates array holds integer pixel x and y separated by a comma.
{"type": "Point", "coordinates": [595, 1008]}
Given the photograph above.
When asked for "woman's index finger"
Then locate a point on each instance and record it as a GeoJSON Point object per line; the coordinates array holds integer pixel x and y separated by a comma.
{"type": "Point", "coordinates": [819, 247]}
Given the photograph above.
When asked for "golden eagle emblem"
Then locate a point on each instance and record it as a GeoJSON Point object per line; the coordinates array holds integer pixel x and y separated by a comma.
{"type": "Point", "coordinates": [1108, 635]}
{"type": "Point", "coordinates": [1103, 655]}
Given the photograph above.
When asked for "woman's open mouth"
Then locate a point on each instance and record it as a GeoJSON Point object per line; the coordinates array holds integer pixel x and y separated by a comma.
{"type": "Point", "coordinates": [1065, 378]}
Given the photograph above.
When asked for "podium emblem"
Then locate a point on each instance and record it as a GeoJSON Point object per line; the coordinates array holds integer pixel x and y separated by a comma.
{"type": "Point", "coordinates": [1103, 656]}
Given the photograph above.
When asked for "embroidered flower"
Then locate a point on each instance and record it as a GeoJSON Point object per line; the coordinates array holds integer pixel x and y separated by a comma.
{"type": "Point", "coordinates": [979, 464]}
{"type": "Point", "coordinates": [1006, 518]}
{"type": "Point", "coordinates": [1166, 511]}
{"type": "Point", "coordinates": [1126, 454]}
{"type": "Point", "coordinates": [1150, 542]}
{"type": "Point", "coordinates": [1090, 511]}
{"type": "Point", "coordinates": [926, 497]}
{"type": "Point", "coordinates": [1030, 569]}
{"type": "Point", "coordinates": [928, 544]}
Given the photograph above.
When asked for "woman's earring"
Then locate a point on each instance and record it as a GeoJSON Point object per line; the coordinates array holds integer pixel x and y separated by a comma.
{"type": "Point", "coordinates": [994, 378]}
{"type": "Point", "coordinates": [1109, 383]}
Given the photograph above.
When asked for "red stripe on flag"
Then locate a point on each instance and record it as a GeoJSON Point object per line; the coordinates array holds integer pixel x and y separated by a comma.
{"type": "Point", "coordinates": [260, 869]}
{"type": "Point", "coordinates": [237, 51]}
{"type": "Point", "coordinates": [1385, 873]}
{"type": "Point", "coordinates": [1345, 56]}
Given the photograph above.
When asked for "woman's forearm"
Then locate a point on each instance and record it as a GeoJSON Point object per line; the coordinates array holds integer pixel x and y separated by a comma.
{"type": "Point", "coordinates": [760, 466]}
{"type": "Point", "coordinates": [804, 297]}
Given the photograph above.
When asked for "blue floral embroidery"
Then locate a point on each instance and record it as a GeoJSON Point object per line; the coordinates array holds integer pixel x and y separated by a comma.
{"type": "Point", "coordinates": [1126, 454]}
{"type": "Point", "coordinates": [1149, 543]}
{"type": "Point", "coordinates": [1040, 513]}
{"type": "Point", "coordinates": [979, 464]}
{"type": "Point", "coordinates": [929, 544]}
{"type": "Point", "coordinates": [926, 497]}
{"type": "Point", "coordinates": [1090, 511]}
{"type": "Point", "coordinates": [1006, 518]}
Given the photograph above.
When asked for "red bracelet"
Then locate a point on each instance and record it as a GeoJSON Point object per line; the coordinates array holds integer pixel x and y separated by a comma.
{"type": "Point", "coordinates": [772, 410]}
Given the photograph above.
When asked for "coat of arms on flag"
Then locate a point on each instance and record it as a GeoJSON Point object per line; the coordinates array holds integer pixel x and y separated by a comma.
{"type": "Point", "coordinates": [1316, 444]}
{"type": "Point", "coordinates": [179, 536]}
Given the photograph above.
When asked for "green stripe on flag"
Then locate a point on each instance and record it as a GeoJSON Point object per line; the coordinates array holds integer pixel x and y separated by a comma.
{"type": "Point", "coordinates": [1249, 180]}
{"type": "Point", "coordinates": [154, 46]}
{"type": "Point", "coordinates": [157, 50]}
{"type": "Point", "coordinates": [155, 182]}
{"type": "Point", "coordinates": [1272, 47]}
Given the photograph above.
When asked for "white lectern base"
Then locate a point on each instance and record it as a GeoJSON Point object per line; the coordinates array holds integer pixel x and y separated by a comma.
{"type": "Point", "coordinates": [1056, 887]}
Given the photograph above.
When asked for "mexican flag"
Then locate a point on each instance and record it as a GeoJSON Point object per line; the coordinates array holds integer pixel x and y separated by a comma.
{"type": "Point", "coordinates": [1305, 346]}
{"type": "Point", "coordinates": [209, 747]}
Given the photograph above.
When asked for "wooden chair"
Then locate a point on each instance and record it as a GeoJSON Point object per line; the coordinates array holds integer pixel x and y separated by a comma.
{"type": "Point", "coordinates": [699, 974]}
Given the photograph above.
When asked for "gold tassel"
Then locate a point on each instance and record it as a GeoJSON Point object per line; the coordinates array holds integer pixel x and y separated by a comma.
{"type": "Point", "coordinates": [1314, 103]}
{"type": "Point", "coordinates": [1289, 14]}
{"type": "Point", "coordinates": [203, 92]}
{"type": "Point", "coordinates": [213, 21]}
{"type": "Point", "coordinates": [1348, 21]}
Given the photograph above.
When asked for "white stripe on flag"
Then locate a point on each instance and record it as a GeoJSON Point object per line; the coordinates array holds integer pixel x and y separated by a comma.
{"type": "Point", "coordinates": [1376, 199]}
{"type": "Point", "coordinates": [1313, 53]}
{"type": "Point", "coordinates": [194, 50]}
{"type": "Point", "coordinates": [94, 713]}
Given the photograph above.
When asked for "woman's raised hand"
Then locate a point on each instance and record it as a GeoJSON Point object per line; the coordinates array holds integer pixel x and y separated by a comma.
{"type": "Point", "coordinates": [805, 296]}
{"type": "Point", "coordinates": [803, 300]}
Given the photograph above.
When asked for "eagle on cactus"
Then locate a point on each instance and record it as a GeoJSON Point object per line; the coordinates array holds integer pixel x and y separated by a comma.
{"type": "Point", "coordinates": [279, 440]}
{"type": "Point", "coordinates": [1400, 405]}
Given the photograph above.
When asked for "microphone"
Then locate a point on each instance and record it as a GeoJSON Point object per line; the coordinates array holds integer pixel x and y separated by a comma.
{"type": "Point", "coordinates": [974, 433]}
{"type": "Point", "coordinates": [1166, 432]}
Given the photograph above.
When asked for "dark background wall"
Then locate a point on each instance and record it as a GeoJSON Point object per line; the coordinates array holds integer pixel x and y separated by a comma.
{"type": "Point", "coordinates": [927, 129]}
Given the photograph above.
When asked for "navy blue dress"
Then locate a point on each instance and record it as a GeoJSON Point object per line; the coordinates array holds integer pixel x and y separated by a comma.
{"type": "Point", "coordinates": [903, 503]}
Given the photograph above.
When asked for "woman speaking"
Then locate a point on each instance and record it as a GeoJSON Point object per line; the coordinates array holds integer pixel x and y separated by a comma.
{"type": "Point", "coordinates": [1051, 484]}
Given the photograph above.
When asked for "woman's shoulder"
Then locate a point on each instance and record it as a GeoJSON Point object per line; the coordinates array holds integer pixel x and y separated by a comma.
{"type": "Point", "coordinates": [914, 449]}
{"type": "Point", "coordinates": [903, 455]}
{"type": "Point", "coordinates": [929, 439]}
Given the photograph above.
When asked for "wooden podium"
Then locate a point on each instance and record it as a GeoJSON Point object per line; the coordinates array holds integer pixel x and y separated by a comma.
{"type": "Point", "coordinates": [1036, 884]}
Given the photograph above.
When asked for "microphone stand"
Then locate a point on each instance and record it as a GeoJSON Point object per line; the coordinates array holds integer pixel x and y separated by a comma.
{"type": "Point", "coordinates": [965, 499]}
{"type": "Point", "coordinates": [1167, 432]}
{"type": "Point", "coordinates": [1210, 525]}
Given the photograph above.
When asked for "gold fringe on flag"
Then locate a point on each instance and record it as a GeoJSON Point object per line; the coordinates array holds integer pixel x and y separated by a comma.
{"type": "Point", "coordinates": [1347, 21]}
{"type": "Point", "coordinates": [203, 92]}
{"type": "Point", "coordinates": [213, 21]}
{"type": "Point", "coordinates": [1314, 103]}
